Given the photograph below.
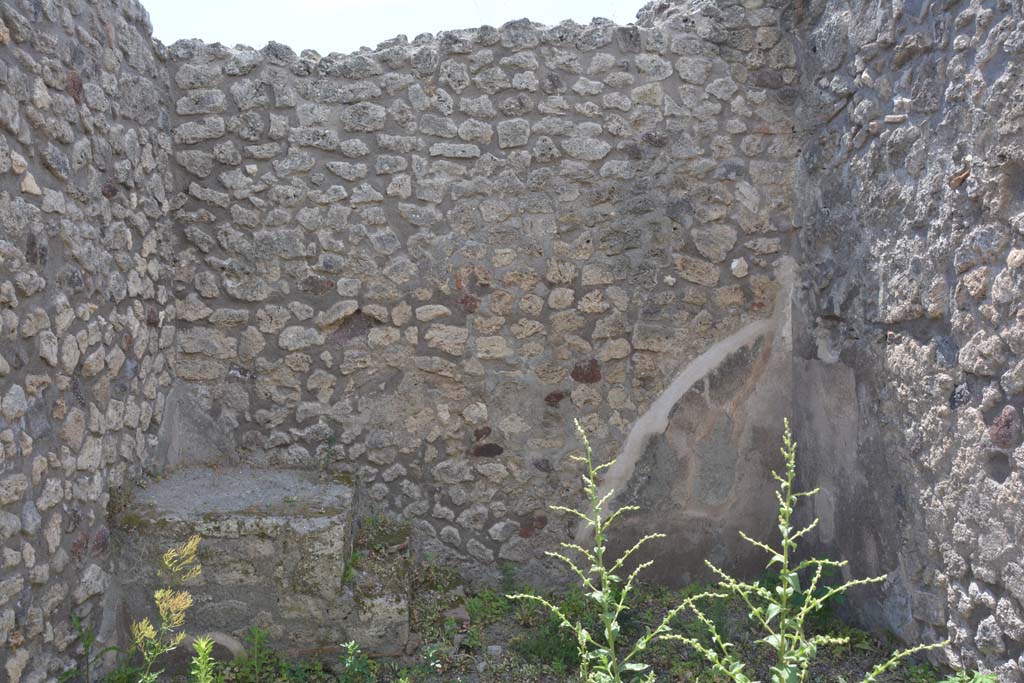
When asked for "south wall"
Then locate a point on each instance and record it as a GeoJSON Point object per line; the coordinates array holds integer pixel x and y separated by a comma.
{"type": "Point", "coordinates": [415, 265]}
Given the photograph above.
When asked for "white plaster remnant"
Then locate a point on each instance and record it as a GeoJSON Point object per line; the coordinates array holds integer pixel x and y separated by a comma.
{"type": "Point", "coordinates": [655, 419]}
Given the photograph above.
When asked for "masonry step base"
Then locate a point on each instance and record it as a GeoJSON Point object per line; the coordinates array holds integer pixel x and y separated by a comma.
{"type": "Point", "coordinates": [276, 553]}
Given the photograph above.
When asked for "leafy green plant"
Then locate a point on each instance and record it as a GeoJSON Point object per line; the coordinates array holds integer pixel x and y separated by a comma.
{"type": "Point", "coordinates": [203, 669]}
{"type": "Point", "coordinates": [549, 644]}
{"type": "Point", "coordinates": [780, 609]}
{"type": "Point", "coordinates": [259, 660]}
{"type": "Point", "coordinates": [348, 574]}
{"type": "Point", "coordinates": [487, 606]}
{"type": "Point", "coordinates": [909, 672]}
{"type": "Point", "coordinates": [263, 664]}
{"type": "Point", "coordinates": [544, 640]}
{"type": "Point", "coordinates": [90, 658]}
{"type": "Point", "coordinates": [437, 655]}
{"type": "Point", "coordinates": [850, 640]}
{"type": "Point", "coordinates": [604, 655]}
{"type": "Point", "coordinates": [124, 672]}
{"type": "Point", "coordinates": [149, 641]}
{"type": "Point", "coordinates": [818, 620]}
{"type": "Point", "coordinates": [711, 605]}
{"type": "Point", "coordinates": [782, 606]}
{"type": "Point", "coordinates": [300, 671]}
{"type": "Point", "coordinates": [484, 608]}
{"type": "Point", "coordinates": [354, 666]}
{"type": "Point", "coordinates": [408, 674]}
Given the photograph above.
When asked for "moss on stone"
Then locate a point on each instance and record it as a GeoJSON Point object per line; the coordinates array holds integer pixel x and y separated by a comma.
{"type": "Point", "coordinates": [378, 534]}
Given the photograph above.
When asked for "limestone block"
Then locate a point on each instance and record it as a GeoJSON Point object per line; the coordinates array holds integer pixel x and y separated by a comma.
{"type": "Point", "coordinates": [276, 544]}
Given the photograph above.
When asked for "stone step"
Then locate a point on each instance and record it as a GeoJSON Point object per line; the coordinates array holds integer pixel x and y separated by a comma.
{"type": "Point", "coordinates": [276, 553]}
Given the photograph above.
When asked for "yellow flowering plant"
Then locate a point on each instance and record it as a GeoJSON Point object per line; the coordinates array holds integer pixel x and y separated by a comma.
{"type": "Point", "coordinates": [178, 565]}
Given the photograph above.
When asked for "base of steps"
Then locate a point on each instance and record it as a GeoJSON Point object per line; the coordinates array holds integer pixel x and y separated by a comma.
{"type": "Point", "coordinates": [277, 553]}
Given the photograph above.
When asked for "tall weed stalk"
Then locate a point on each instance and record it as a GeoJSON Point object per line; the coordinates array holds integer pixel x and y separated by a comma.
{"type": "Point", "coordinates": [780, 608]}
{"type": "Point", "coordinates": [203, 669]}
{"type": "Point", "coordinates": [604, 656]}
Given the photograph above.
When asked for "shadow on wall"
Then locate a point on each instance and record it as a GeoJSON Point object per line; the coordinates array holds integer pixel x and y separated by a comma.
{"type": "Point", "coordinates": [705, 478]}
{"type": "Point", "coordinates": [701, 473]}
{"type": "Point", "coordinates": [190, 431]}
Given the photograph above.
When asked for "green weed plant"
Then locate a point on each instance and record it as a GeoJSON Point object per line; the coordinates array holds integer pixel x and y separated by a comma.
{"type": "Point", "coordinates": [203, 669]}
{"type": "Point", "coordinates": [781, 606]}
{"type": "Point", "coordinates": [354, 666]}
{"type": "Point", "coordinates": [603, 654]}
{"type": "Point", "coordinates": [91, 657]}
{"type": "Point", "coordinates": [782, 610]}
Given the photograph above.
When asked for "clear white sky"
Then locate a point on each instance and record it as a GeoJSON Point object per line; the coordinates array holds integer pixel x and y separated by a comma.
{"type": "Point", "coordinates": [346, 25]}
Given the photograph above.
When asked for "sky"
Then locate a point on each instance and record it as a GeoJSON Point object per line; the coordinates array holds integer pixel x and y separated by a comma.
{"type": "Point", "coordinates": [346, 25]}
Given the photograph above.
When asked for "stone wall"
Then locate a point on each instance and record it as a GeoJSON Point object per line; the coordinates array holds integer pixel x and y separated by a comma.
{"type": "Point", "coordinates": [909, 355]}
{"type": "Point", "coordinates": [84, 186]}
{"type": "Point", "coordinates": [416, 264]}
{"type": "Point", "coordinates": [410, 267]}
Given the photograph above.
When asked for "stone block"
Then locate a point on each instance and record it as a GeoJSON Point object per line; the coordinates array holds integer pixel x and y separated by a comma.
{"type": "Point", "coordinates": [275, 552]}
